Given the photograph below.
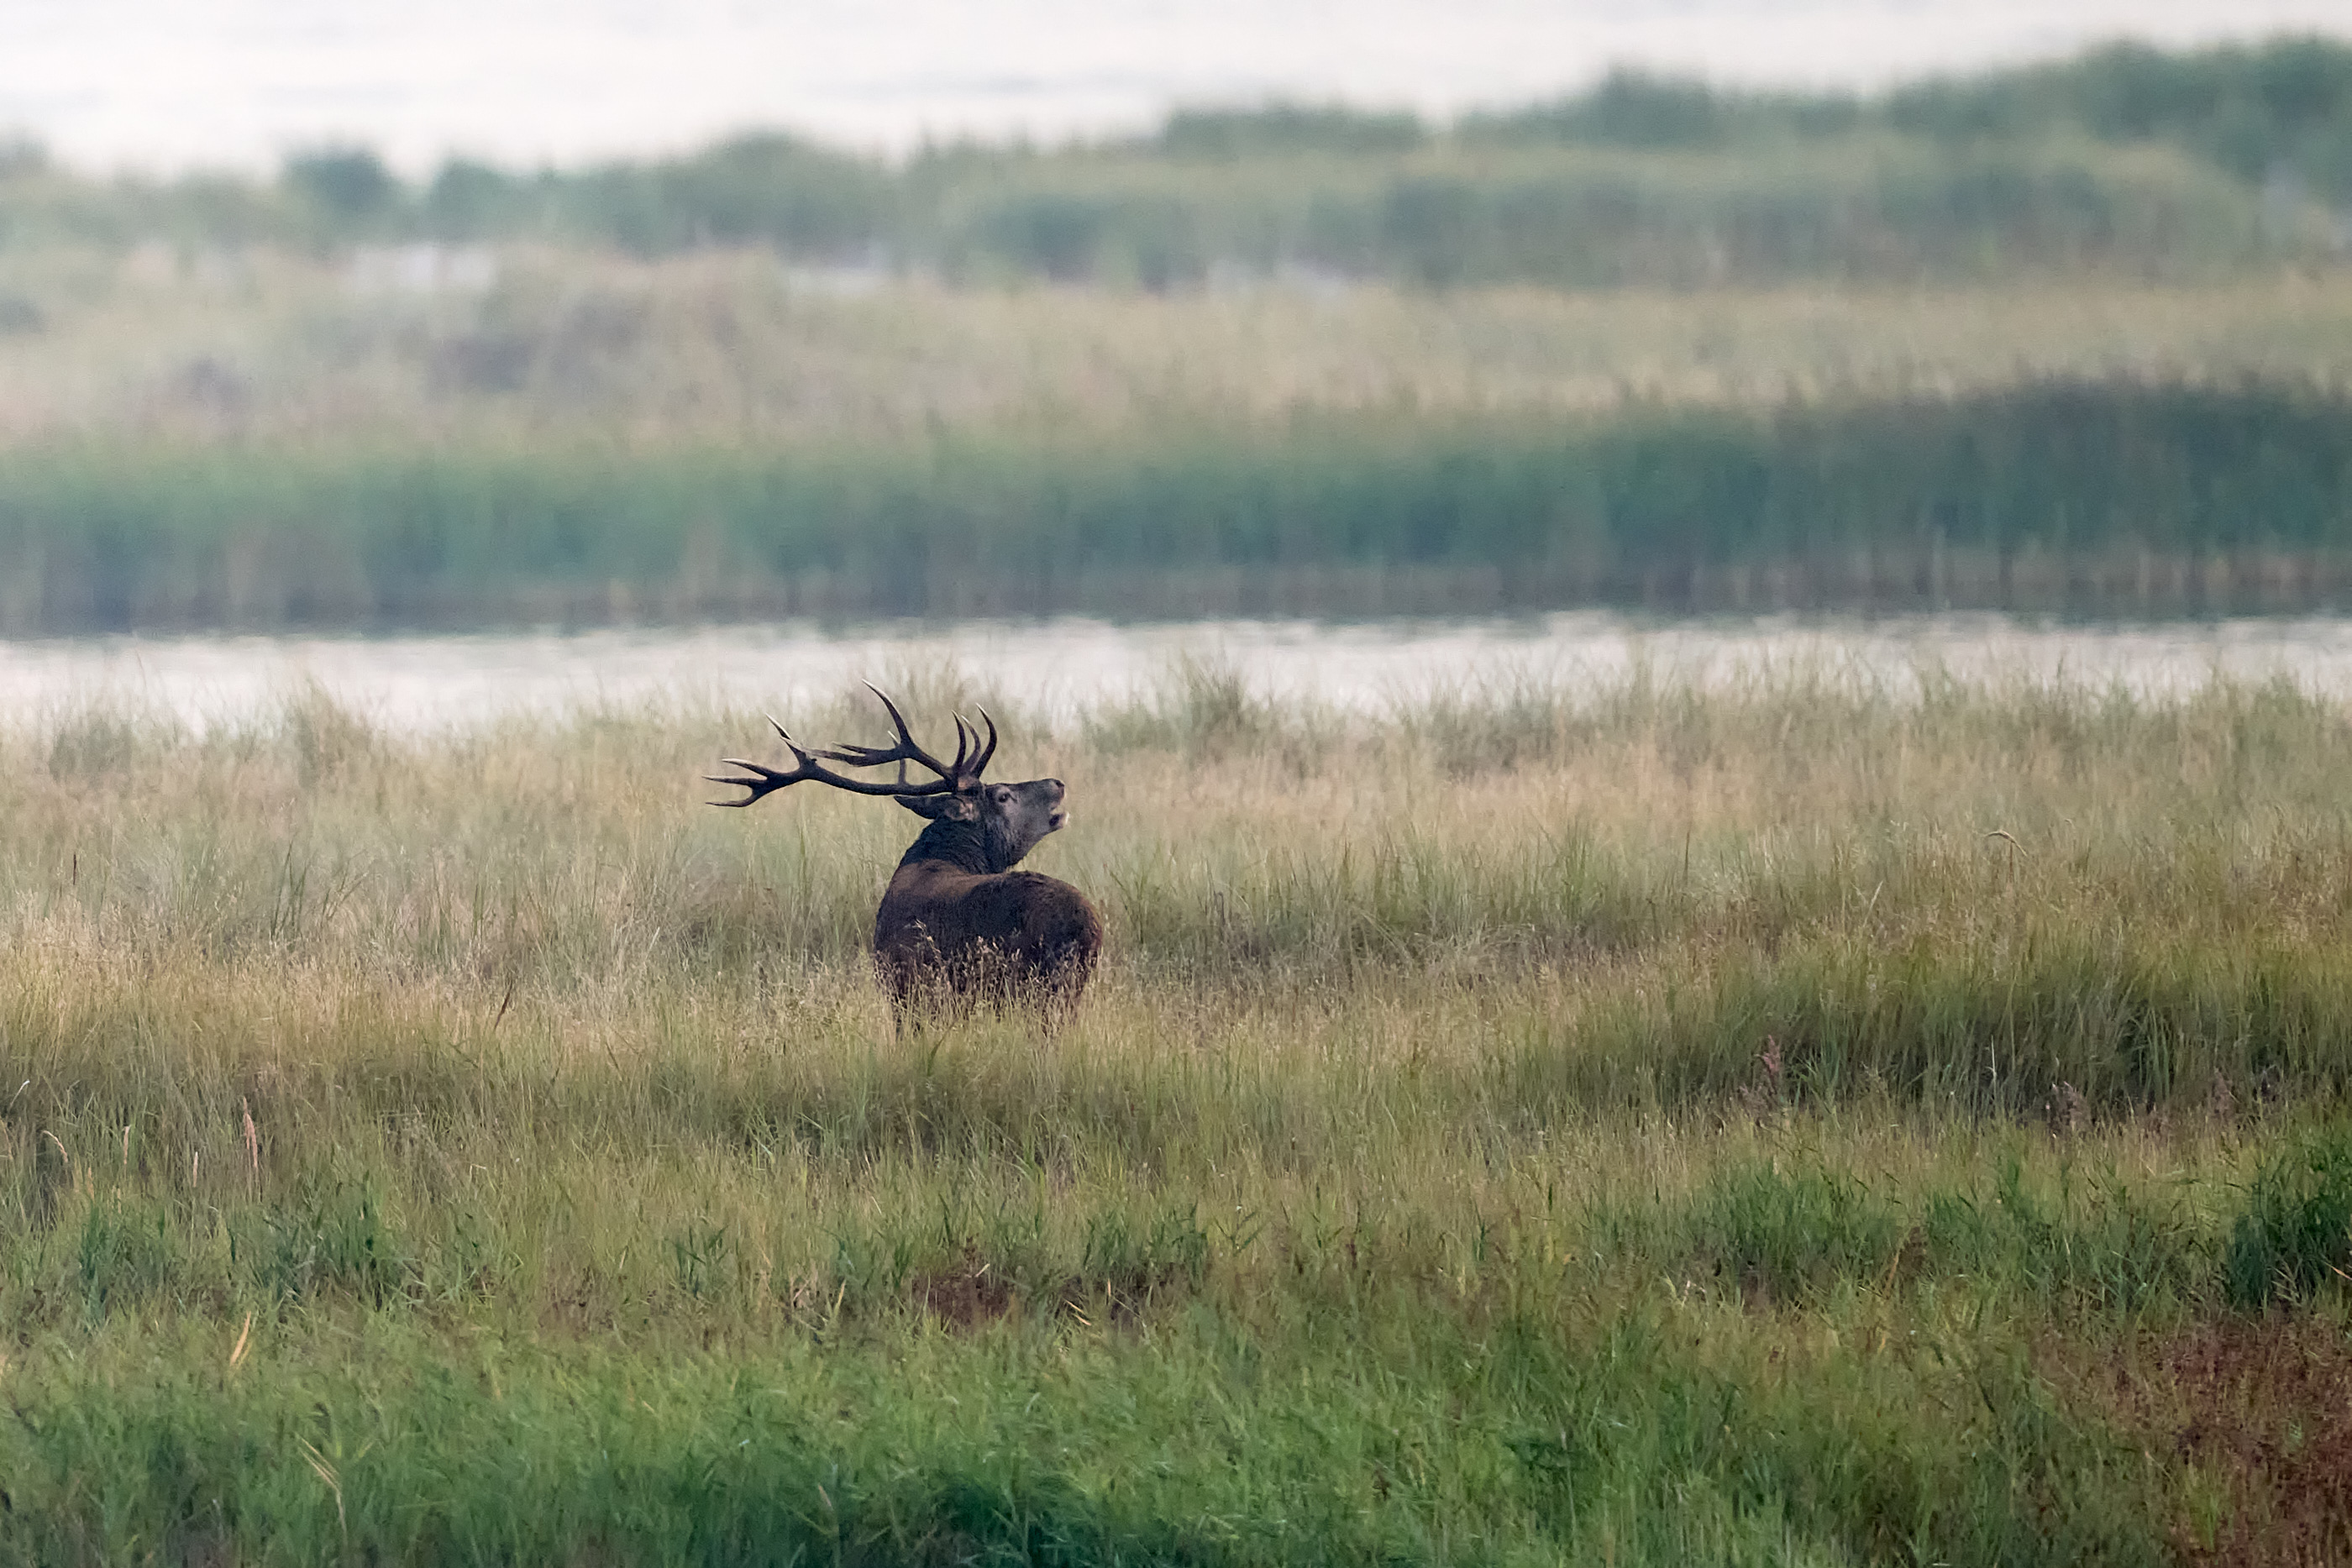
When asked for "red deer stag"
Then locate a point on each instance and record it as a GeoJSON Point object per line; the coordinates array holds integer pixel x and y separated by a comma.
{"type": "Point", "coordinates": [958, 923]}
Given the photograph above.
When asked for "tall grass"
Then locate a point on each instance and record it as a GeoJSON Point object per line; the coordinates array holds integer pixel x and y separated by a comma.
{"type": "Point", "coordinates": [1800, 1123]}
{"type": "Point", "coordinates": [734, 348]}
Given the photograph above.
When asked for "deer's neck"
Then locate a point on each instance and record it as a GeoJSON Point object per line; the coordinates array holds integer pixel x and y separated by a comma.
{"type": "Point", "coordinates": [959, 844]}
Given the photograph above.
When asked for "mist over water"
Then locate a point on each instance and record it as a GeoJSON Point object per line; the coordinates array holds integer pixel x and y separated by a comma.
{"type": "Point", "coordinates": [1061, 668]}
{"type": "Point", "coordinates": [152, 85]}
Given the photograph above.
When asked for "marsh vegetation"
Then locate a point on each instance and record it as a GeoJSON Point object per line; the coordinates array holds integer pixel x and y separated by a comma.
{"type": "Point", "coordinates": [2072, 338]}
{"type": "Point", "coordinates": [1806, 1122]}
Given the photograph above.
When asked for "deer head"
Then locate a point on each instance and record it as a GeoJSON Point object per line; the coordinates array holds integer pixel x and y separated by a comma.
{"type": "Point", "coordinates": [1010, 819]}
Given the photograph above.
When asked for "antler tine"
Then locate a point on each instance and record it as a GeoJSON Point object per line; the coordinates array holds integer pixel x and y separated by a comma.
{"type": "Point", "coordinates": [765, 780]}
{"type": "Point", "coordinates": [899, 723]}
{"type": "Point", "coordinates": [979, 763]}
{"type": "Point", "coordinates": [906, 750]}
{"type": "Point", "coordinates": [966, 739]}
{"type": "Point", "coordinates": [769, 779]}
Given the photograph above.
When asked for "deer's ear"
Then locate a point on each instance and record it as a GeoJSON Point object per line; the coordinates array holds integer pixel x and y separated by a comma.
{"type": "Point", "coordinates": [942, 808]}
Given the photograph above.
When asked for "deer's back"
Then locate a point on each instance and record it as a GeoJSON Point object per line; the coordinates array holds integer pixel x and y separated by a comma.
{"type": "Point", "coordinates": [985, 930]}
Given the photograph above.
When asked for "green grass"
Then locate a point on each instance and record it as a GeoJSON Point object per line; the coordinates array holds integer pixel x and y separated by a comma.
{"type": "Point", "coordinates": [1637, 1126]}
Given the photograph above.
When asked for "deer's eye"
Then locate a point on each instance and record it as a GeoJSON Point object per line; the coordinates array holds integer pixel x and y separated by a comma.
{"type": "Point", "coordinates": [1002, 794]}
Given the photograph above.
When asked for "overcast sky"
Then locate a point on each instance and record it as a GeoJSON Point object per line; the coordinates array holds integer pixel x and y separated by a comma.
{"type": "Point", "coordinates": [169, 84]}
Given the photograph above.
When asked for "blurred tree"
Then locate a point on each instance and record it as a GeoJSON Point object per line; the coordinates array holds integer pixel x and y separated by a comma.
{"type": "Point", "coordinates": [470, 201]}
{"type": "Point", "coordinates": [1283, 130]}
{"type": "Point", "coordinates": [344, 183]}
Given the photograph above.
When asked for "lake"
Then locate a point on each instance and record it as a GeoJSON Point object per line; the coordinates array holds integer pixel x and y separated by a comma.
{"type": "Point", "coordinates": [412, 685]}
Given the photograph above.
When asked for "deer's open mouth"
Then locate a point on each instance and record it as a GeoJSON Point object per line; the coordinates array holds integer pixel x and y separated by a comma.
{"type": "Point", "coordinates": [1057, 821]}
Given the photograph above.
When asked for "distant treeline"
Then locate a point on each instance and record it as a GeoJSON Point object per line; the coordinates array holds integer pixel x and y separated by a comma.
{"type": "Point", "coordinates": [2127, 157]}
{"type": "Point", "coordinates": [2097, 497]}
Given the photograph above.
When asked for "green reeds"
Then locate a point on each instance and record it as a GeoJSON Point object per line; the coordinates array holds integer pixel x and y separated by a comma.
{"type": "Point", "coordinates": [2115, 496]}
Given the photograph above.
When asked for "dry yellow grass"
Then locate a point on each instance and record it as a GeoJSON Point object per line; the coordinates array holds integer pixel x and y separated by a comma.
{"type": "Point", "coordinates": [735, 346]}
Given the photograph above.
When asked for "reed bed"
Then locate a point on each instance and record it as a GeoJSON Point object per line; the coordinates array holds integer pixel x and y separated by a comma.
{"type": "Point", "coordinates": [1814, 1121]}
{"type": "Point", "coordinates": [2147, 497]}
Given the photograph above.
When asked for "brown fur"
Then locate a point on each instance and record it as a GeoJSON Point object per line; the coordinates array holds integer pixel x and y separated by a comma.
{"type": "Point", "coordinates": [956, 924]}
{"type": "Point", "coordinates": [1012, 936]}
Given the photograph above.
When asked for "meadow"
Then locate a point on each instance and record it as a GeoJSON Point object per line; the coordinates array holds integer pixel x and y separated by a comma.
{"type": "Point", "coordinates": [1816, 1121]}
{"type": "Point", "coordinates": [1796, 1122]}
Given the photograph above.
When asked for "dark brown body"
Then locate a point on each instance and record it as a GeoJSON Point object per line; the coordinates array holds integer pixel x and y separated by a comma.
{"type": "Point", "coordinates": [954, 929]}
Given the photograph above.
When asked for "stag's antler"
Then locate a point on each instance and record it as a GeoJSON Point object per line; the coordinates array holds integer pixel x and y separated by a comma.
{"type": "Point", "coordinates": [979, 763]}
{"type": "Point", "coordinates": [952, 775]}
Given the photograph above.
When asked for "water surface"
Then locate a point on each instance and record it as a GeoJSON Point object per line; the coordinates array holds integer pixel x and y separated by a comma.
{"type": "Point", "coordinates": [426, 684]}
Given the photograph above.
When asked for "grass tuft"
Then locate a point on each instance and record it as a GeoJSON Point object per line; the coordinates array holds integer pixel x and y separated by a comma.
{"type": "Point", "coordinates": [2294, 1235]}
